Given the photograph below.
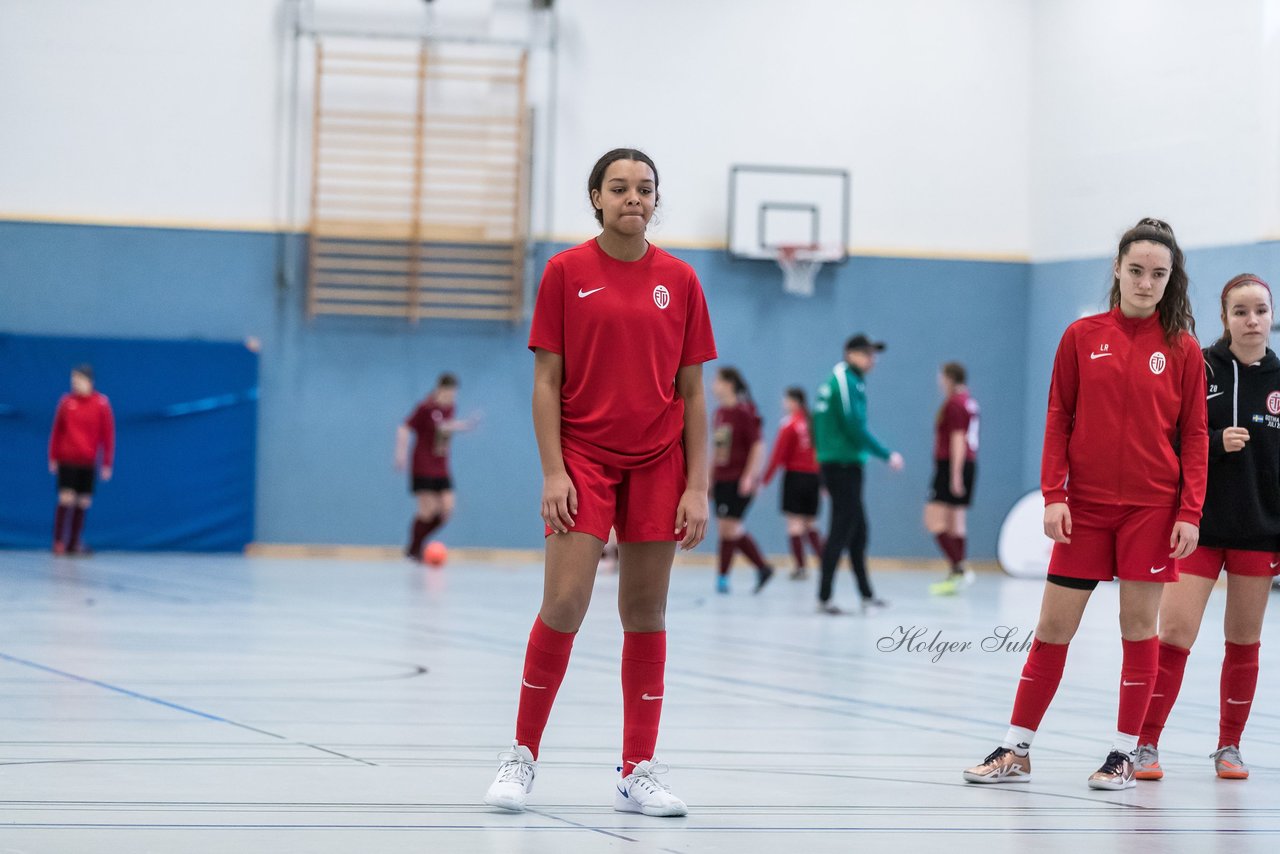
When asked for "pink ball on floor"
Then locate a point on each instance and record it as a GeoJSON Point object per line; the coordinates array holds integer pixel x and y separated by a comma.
{"type": "Point", "coordinates": [435, 554]}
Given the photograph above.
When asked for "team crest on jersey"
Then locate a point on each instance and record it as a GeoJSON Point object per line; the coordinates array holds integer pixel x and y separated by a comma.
{"type": "Point", "coordinates": [1273, 403]}
{"type": "Point", "coordinates": [1158, 362]}
{"type": "Point", "coordinates": [661, 296]}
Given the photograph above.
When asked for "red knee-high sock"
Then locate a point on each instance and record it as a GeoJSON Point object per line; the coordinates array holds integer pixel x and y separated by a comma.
{"type": "Point", "coordinates": [727, 548]}
{"type": "Point", "coordinates": [957, 548]}
{"type": "Point", "coordinates": [1173, 663]}
{"type": "Point", "coordinates": [945, 546]}
{"type": "Point", "coordinates": [422, 528]}
{"type": "Point", "coordinates": [545, 661]}
{"type": "Point", "coordinates": [751, 550]}
{"type": "Point", "coordinates": [1138, 668]}
{"type": "Point", "coordinates": [1239, 679]}
{"type": "Point", "coordinates": [77, 527]}
{"type": "Point", "coordinates": [797, 551]}
{"type": "Point", "coordinates": [59, 522]}
{"type": "Point", "coordinates": [1040, 677]}
{"type": "Point", "coordinates": [417, 534]}
{"type": "Point", "coordinates": [644, 660]}
{"type": "Point", "coordinates": [815, 542]}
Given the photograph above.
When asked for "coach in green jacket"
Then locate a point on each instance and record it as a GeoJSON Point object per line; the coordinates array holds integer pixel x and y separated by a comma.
{"type": "Point", "coordinates": [843, 443]}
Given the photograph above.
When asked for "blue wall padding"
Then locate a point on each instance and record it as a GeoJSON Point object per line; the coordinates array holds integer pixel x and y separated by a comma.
{"type": "Point", "coordinates": [186, 434]}
{"type": "Point", "coordinates": [335, 388]}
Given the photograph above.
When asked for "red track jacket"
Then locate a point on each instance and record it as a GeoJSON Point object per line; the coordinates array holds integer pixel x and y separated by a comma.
{"type": "Point", "coordinates": [1126, 422]}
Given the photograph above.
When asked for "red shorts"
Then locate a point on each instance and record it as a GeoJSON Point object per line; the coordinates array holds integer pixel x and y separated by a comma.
{"type": "Point", "coordinates": [1208, 563]}
{"type": "Point", "coordinates": [640, 503]}
{"type": "Point", "coordinates": [1109, 541]}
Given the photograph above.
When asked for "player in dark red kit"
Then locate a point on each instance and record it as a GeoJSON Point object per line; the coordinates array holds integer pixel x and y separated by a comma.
{"type": "Point", "coordinates": [83, 438]}
{"type": "Point", "coordinates": [620, 332]}
{"type": "Point", "coordinates": [801, 483]}
{"type": "Point", "coordinates": [735, 470]}
{"type": "Point", "coordinates": [1123, 475]}
{"type": "Point", "coordinates": [1240, 531]}
{"type": "Point", "coordinates": [955, 461]}
{"type": "Point", "coordinates": [432, 425]}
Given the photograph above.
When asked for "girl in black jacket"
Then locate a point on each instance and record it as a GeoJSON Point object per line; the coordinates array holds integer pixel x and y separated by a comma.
{"type": "Point", "coordinates": [1240, 529]}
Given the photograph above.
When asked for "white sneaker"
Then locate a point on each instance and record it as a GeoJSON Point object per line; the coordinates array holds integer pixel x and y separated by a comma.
{"type": "Point", "coordinates": [514, 780]}
{"type": "Point", "coordinates": [641, 791]}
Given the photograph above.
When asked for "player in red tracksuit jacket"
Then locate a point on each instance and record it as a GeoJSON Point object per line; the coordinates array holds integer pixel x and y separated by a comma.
{"type": "Point", "coordinates": [620, 333]}
{"type": "Point", "coordinates": [1240, 531]}
{"type": "Point", "coordinates": [1123, 475]}
{"type": "Point", "coordinates": [83, 437]}
{"type": "Point", "coordinates": [801, 483]}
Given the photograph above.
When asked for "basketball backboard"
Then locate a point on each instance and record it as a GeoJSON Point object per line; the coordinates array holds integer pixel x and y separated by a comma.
{"type": "Point", "coordinates": [777, 206]}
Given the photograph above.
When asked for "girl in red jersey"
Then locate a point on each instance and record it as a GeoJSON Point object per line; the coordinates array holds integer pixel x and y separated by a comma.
{"type": "Point", "coordinates": [620, 332]}
{"type": "Point", "coordinates": [739, 451]}
{"type": "Point", "coordinates": [83, 428]}
{"type": "Point", "coordinates": [1123, 475]}
{"type": "Point", "coordinates": [1240, 530]}
{"type": "Point", "coordinates": [955, 456]}
{"type": "Point", "coordinates": [432, 425]}
{"type": "Point", "coordinates": [801, 483]}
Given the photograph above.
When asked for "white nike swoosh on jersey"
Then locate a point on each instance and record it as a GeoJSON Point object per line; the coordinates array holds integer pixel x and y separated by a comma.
{"type": "Point", "coordinates": [647, 697]}
{"type": "Point", "coordinates": [1274, 564]}
{"type": "Point", "coordinates": [534, 687]}
{"type": "Point", "coordinates": [1215, 394]}
{"type": "Point", "coordinates": [1131, 684]}
{"type": "Point", "coordinates": [1161, 569]}
{"type": "Point", "coordinates": [1100, 355]}
{"type": "Point", "coordinates": [1239, 702]}
{"type": "Point", "coordinates": [582, 293]}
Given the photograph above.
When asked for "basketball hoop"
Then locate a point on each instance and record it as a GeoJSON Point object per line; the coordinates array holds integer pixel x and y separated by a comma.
{"type": "Point", "coordinates": [800, 264]}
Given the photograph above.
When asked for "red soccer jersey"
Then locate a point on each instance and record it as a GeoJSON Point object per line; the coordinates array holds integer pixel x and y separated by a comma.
{"type": "Point", "coordinates": [431, 444]}
{"type": "Point", "coordinates": [1126, 417]}
{"type": "Point", "coordinates": [624, 329]}
{"type": "Point", "coordinates": [960, 412]}
{"type": "Point", "coordinates": [736, 429]}
{"type": "Point", "coordinates": [81, 426]}
{"type": "Point", "coordinates": [793, 449]}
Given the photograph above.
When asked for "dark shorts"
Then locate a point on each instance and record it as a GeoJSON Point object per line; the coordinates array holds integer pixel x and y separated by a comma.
{"type": "Point", "coordinates": [800, 493]}
{"type": "Point", "coordinates": [730, 504]}
{"type": "Point", "coordinates": [78, 479]}
{"type": "Point", "coordinates": [940, 489]}
{"type": "Point", "coordinates": [418, 483]}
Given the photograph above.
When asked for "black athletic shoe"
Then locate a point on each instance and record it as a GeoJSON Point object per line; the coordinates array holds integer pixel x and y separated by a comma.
{"type": "Point", "coordinates": [762, 578]}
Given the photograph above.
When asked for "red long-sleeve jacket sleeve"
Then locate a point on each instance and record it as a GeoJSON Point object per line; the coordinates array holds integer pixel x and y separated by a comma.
{"type": "Point", "coordinates": [1193, 432]}
{"type": "Point", "coordinates": [781, 451]}
{"type": "Point", "coordinates": [1060, 420]}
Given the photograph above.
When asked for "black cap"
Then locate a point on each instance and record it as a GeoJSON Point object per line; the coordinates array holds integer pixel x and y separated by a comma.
{"type": "Point", "coordinates": [862, 342]}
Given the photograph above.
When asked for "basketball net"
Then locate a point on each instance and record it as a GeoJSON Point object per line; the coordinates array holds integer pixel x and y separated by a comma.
{"type": "Point", "coordinates": [800, 266]}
